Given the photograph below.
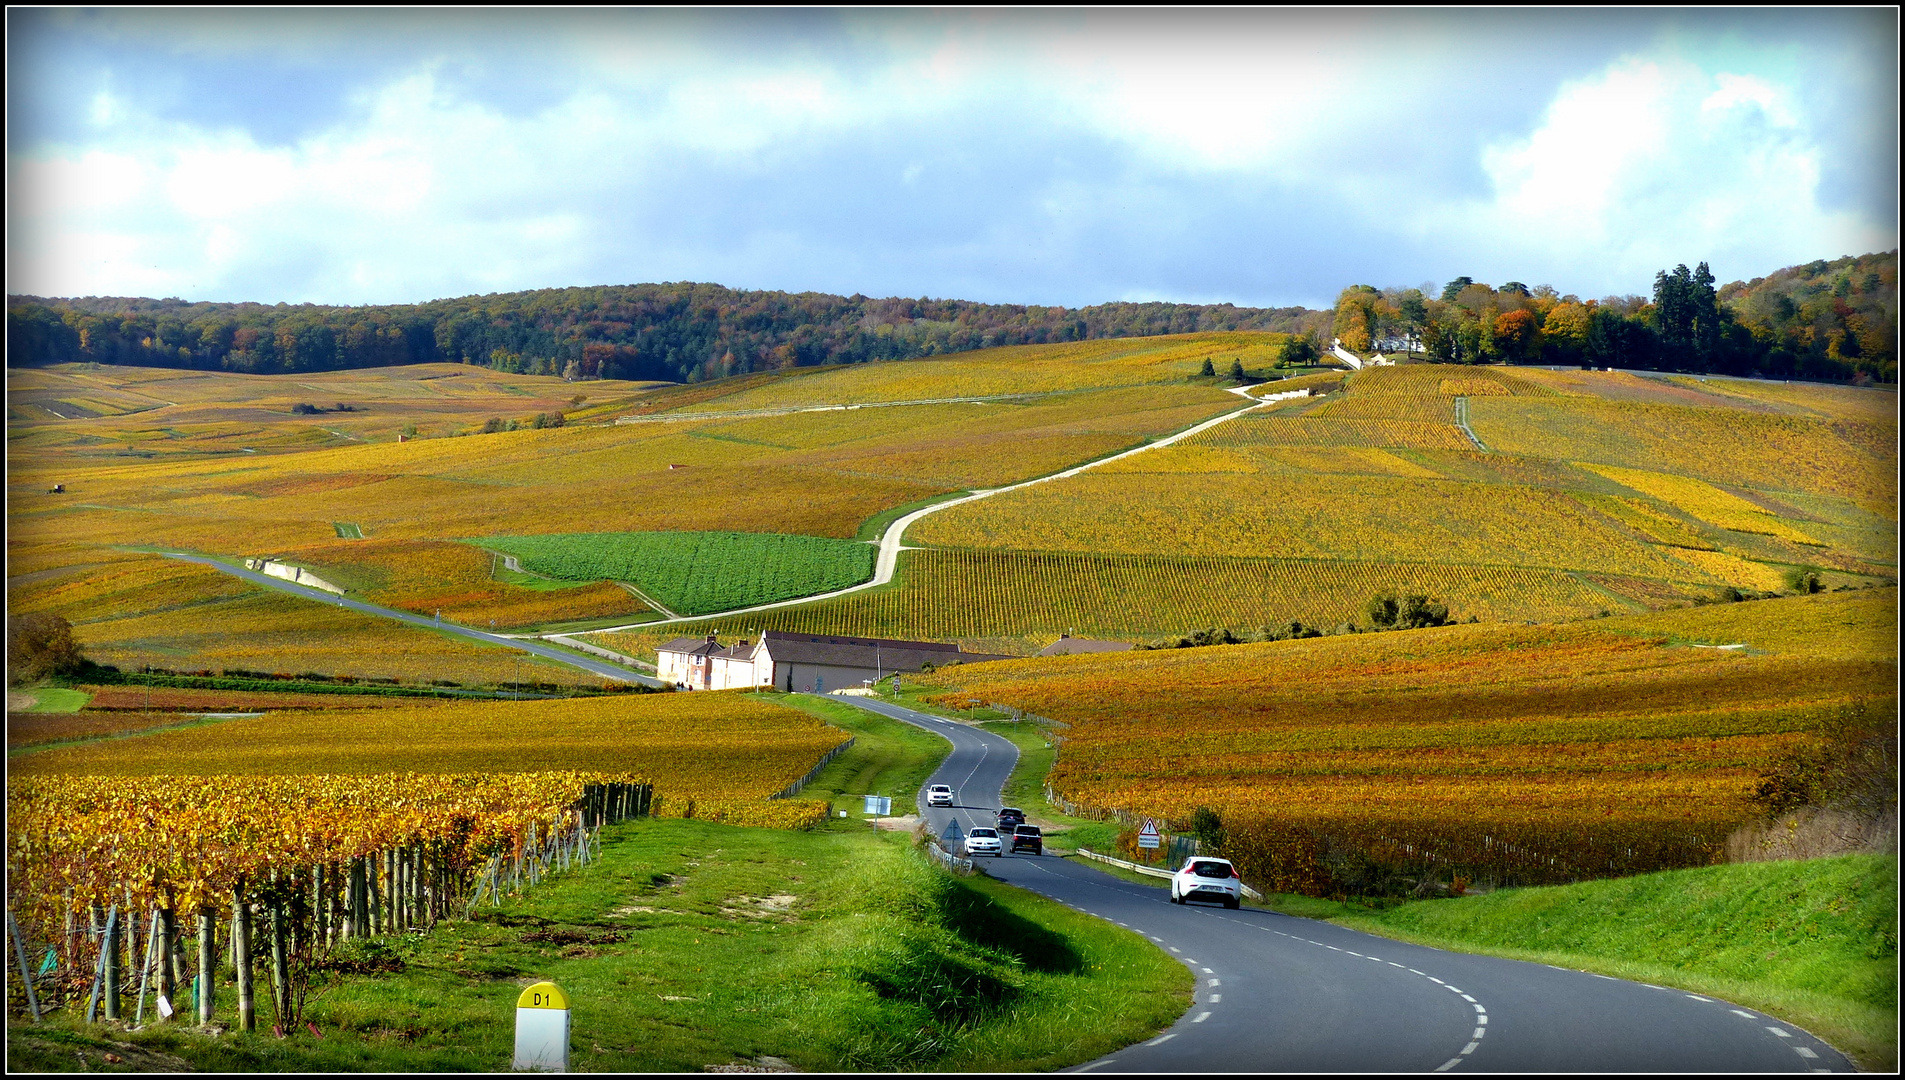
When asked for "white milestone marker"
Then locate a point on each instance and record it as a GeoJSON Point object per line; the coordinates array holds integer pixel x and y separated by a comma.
{"type": "Point", "coordinates": [542, 1029]}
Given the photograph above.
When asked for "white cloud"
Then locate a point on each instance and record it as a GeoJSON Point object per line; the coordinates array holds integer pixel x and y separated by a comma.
{"type": "Point", "coordinates": [1038, 151]}
{"type": "Point", "coordinates": [1652, 162]}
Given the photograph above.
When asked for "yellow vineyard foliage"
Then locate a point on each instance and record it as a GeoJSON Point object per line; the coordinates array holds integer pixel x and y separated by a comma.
{"type": "Point", "coordinates": [1428, 433]}
{"type": "Point", "coordinates": [1706, 502]}
{"type": "Point", "coordinates": [1015, 602]}
{"type": "Point", "coordinates": [1378, 518]}
{"type": "Point", "coordinates": [183, 815]}
{"type": "Point", "coordinates": [1765, 451]}
{"type": "Point", "coordinates": [1021, 369]}
{"type": "Point", "coordinates": [1652, 523]}
{"type": "Point", "coordinates": [695, 745]}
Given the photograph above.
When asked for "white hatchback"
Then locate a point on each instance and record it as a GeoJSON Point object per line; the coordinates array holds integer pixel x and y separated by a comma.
{"type": "Point", "coordinates": [982, 841]}
{"type": "Point", "coordinates": [939, 795]}
{"type": "Point", "coordinates": [1204, 878]}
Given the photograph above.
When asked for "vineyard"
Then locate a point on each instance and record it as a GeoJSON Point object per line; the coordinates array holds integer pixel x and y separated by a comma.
{"type": "Point", "coordinates": [1020, 601]}
{"type": "Point", "coordinates": [337, 824]}
{"type": "Point", "coordinates": [1426, 433]}
{"type": "Point", "coordinates": [1854, 460]}
{"type": "Point", "coordinates": [1022, 369]}
{"type": "Point", "coordinates": [35, 729]}
{"type": "Point", "coordinates": [697, 572]}
{"type": "Point", "coordinates": [291, 863]}
{"type": "Point", "coordinates": [708, 746]}
{"type": "Point", "coordinates": [175, 464]}
{"type": "Point", "coordinates": [1601, 491]}
{"type": "Point", "coordinates": [149, 610]}
{"type": "Point", "coordinates": [1376, 518]}
{"type": "Point", "coordinates": [1520, 754]}
{"type": "Point", "coordinates": [1706, 502]}
{"type": "Point", "coordinates": [429, 576]}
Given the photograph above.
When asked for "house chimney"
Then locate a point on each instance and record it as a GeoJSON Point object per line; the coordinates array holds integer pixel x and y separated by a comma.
{"type": "Point", "coordinates": [710, 639]}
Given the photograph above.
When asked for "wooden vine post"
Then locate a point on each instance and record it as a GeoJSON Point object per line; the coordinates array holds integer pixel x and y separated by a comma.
{"type": "Point", "coordinates": [109, 960]}
{"type": "Point", "coordinates": [241, 959]}
{"type": "Point", "coordinates": [280, 958]}
{"type": "Point", "coordinates": [207, 961]}
{"type": "Point", "coordinates": [168, 966]}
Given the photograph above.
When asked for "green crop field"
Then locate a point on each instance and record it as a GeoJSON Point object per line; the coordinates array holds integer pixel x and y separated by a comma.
{"type": "Point", "coordinates": [698, 572]}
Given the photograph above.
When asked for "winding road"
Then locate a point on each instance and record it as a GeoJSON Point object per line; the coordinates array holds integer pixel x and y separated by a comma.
{"type": "Point", "coordinates": [1282, 994]}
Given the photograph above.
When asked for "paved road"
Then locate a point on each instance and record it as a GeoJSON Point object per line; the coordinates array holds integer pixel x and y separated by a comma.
{"type": "Point", "coordinates": [1282, 994]}
{"type": "Point", "coordinates": [594, 667]}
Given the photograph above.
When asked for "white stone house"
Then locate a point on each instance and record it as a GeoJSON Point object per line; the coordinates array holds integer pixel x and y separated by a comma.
{"type": "Point", "coordinates": [814, 663]}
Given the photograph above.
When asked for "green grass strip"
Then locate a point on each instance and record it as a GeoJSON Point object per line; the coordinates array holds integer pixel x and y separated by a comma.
{"type": "Point", "coordinates": [58, 699]}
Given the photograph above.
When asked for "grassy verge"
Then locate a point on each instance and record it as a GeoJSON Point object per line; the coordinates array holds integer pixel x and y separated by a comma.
{"type": "Point", "coordinates": [888, 757]}
{"type": "Point", "coordinates": [872, 528]}
{"type": "Point", "coordinates": [691, 944]}
{"type": "Point", "coordinates": [58, 699]}
{"type": "Point", "coordinates": [1814, 942]}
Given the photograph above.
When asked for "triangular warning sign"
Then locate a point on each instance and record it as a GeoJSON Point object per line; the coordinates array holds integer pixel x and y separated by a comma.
{"type": "Point", "coordinates": [1150, 828]}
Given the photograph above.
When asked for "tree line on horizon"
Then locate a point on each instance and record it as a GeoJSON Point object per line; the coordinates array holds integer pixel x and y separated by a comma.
{"type": "Point", "coordinates": [1831, 320]}
{"type": "Point", "coordinates": [1834, 320]}
{"type": "Point", "coordinates": [679, 332]}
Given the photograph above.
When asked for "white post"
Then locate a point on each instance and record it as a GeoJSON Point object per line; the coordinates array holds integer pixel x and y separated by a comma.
{"type": "Point", "coordinates": [542, 1029]}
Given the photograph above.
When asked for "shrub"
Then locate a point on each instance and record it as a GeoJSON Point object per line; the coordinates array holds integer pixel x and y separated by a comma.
{"type": "Point", "coordinates": [1804, 579]}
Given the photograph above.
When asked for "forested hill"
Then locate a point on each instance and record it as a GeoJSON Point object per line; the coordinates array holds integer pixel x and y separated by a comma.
{"type": "Point", "coordinates": [680, 331]}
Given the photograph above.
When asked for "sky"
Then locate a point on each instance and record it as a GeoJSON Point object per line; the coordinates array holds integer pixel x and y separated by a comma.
{"type": "Point", "coordinates": [1265, 158]}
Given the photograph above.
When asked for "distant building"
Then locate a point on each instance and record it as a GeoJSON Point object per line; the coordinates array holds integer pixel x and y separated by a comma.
{"type": "Point", "coordinates": [1067, 645]}
{"type": "Point", "coordinates": [809, 662]}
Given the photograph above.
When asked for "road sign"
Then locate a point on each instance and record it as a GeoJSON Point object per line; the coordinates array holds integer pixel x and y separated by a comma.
{"type": "Point", "coordinates": [879, 804]}
{"type": "Point", "coordinates": [952, 838]}
{"type": "Point", "coordinates": [1148, 836]}
{"type": "Point", "coordinates": [542, 1029]}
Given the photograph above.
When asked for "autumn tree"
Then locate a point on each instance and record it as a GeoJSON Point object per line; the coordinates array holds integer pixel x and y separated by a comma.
{"type": "Point", "coordinates": [1357, 318]}
{"type": "Point", "coordinates": [1517, 337]}
{"type": "Point", "coordinates": [1565, 330]}
{"type": "Point", "coordinates": [40, 645]}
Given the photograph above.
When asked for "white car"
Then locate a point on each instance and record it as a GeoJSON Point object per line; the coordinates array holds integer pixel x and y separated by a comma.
{"type": "Point", "coordinates": [939, 795]}
{"type": "Point", "coordinates": [1204, 878]}
{"type": "Point", "coordinates": [982, 841]}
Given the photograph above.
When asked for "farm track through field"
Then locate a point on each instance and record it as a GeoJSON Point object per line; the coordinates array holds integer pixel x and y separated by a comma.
{"type": "Point", "coordinates": [593, 667]}
{"type": "Point", "coordinates": [887, 563]}
{"type": "Point", "coordinates": [890, 540]}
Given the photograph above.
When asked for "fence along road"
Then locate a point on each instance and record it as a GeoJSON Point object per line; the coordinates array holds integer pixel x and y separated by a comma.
{"type": "Point", "coordinates": [1282, 994]}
